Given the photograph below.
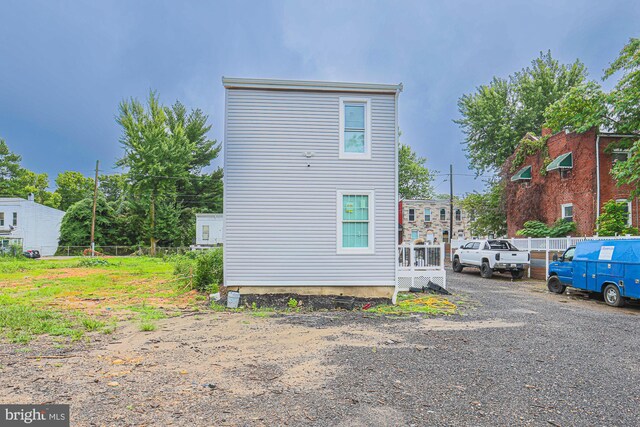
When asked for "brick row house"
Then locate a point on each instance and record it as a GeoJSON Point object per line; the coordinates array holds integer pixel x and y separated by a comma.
{"type": "Point", "coordinates": [428, 220]}
{"type": "Point", "coordinates": [569, 177]}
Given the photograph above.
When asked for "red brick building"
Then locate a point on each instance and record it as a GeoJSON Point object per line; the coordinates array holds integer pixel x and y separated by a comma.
{"type": "Point", "coordinates": [575, 185]}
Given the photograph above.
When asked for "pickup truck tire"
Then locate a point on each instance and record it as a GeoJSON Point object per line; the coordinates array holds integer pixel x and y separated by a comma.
{"type": "Point", "coordinates": [517, 274]}
{"type": "Point", "coordinates": [485, 270]}
{"type": "Point", "coordinates": [457, 267]}
{"type": "Point", "coordinates": [612, 296]}
{"type": "Point", "coordinates": [555, 285]}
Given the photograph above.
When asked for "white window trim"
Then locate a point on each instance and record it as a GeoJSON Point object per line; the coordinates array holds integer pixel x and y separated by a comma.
{"type": "Point", "coordinates": [425, 215]}
{"type": "Point", "coordinates": [208, 232]}
{"type": "Point", "coordinates": [417, 234]}
{"type": "Point", "coordinates": [627, 153]}
{"type": "Point", "coordinates": [367, 129]}
{"type": "Point", "coordinates": [565, 205]}
{"type": "Point", "coordinates": [355, 251]}
{"type": "Point", "coordinates": [630, 217]}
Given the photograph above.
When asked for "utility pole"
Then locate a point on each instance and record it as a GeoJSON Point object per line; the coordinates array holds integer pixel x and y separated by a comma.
{"type": "Point", "coordinates": [450, 203]}
{"type": "Point", "coordinates": [93, 216]}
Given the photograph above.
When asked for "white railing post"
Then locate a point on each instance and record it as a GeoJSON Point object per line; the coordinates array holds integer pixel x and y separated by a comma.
{"type": "Point", "coordinates": [411, 256]}
{"type": "Point", "coordinates": [443, 248]}
{"type": "Point", "coordinates": [546, 258]}
{"type": "Point", "coordinates": [530, 258]}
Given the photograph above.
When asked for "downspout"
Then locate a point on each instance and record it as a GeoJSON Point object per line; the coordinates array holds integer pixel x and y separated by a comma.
{"type": "Point", "coordinates": [597, 176]}
{"type": "Point", "coordinates": [395, 205]}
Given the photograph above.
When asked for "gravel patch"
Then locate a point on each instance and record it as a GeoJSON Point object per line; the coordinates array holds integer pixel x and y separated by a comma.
{"type": "Point", "coordinates": [517, 355]}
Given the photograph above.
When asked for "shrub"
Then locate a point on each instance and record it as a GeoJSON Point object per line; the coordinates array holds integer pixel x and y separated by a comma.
{"type": "Point", "coordinates": [560, 228]}
{"type": "Point", "coordinates": [183, 268]}
{"type": "Point", "coordinates": [613, 220]}
{"type": "Point", "coordinates": [92, 262]}
{"type": "Point", "coordinates": [209, 271]}
{"type": "Point", "coordinates": [201, 269]}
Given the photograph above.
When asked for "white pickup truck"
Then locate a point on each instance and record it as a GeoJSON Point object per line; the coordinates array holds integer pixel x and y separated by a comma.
{"type": "Point", "coordinates": [490, 256]}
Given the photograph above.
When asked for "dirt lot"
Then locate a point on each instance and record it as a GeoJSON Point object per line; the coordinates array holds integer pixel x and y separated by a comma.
{"type": "Point", "coordinates": [517, 356]}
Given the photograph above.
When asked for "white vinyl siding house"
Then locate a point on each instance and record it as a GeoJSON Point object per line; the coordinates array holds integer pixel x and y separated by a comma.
{"type": "Point", "coordinates": [30, 224]}
{"type": "Point", "coordinates": [209, 229]}
{"type": "Point", "coordinates": [310, 184]}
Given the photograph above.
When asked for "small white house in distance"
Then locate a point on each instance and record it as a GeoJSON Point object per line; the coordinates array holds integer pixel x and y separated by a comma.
{"type": "Point", "coordinates": [209, 229]}
{"type": "Point", "coordinates": [310, 187]}
{"type": "Point", "coordinates": [33, 225]}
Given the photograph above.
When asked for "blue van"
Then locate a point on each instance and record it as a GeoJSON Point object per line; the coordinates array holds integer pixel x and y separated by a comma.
{"type": "Point", "coordinates": [610, 267]}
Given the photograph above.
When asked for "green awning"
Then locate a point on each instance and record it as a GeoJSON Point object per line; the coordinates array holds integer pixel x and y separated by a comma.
{"type": "Point", "coordinates": [524, 173]}
{"type": "Point", "coordinates": [563, 161]}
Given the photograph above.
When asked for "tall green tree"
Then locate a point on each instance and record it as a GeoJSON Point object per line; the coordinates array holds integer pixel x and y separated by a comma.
{"type": "Point", "coordinates": [415, 181]}
{"type": "Point", "coordinates": [497, 115]}
{"type": "Point", "coordinates": [487, 210]}
{"type": "Point", "coordinates": [16, 181]}
{"type": "Point", "coordinates": [166, 150]}
{"type": "Point", "coordinates": [587, 106]}
{"type": "Point", "coordinates": [72, 187]}
{"type": "Point", "coordinates": [75, 229]}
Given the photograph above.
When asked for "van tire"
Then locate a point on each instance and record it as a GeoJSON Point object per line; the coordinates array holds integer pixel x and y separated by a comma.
{"type": "Point", "coordinates": [457, 267]}
{"type": "Point", "coordinates": [612, 296]}
{"type": "Point", "coordinates": [485, 270]}
{"type": "Point", "coordinates": [555, 285]}
{"type": "Point", "coordinates": [517, 274]}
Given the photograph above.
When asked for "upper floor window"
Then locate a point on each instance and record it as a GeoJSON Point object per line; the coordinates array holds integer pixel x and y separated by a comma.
{"type": "Point", "coordinates": [427, 215]}
{"type": "Point", "coordinates": [205, 232]}
{"type": "Point", "coordinates": [619, 156]}
{"type": "Point", "coordinates": [412, 215]}
{"type": "Point", "coordinates": [458, 215]}
{"type": "Point", "coordinates": [15, 219]}
{"type": "Point", "coordinates": [567, 212]}
{"type": "Point", "coordinates": [355, 128]}
{"type": "Point", "coordinates": [443, 214]}
{"type": "Point", "coordinates": [1, 218]}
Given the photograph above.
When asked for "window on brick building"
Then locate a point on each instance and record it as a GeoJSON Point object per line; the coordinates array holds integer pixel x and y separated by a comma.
{"type": "Point", "coordinates": [619, 156]}
{"type": "Point", "coordinates": [412, 214]}
{"type": "Point", "coordinates": [427, 215]}
{"type": "Point", "coordinates": [443, 214]}
{"type": "Point", "coordinates": [458, 215]}
{"type": "Point", "coordinates": [567, 211]}
{"type": "Point", "coordinates": [627, 205]}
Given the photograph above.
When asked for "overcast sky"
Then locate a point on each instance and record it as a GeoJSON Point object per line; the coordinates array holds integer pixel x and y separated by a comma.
{"type": "Point", "coordinates": [65, 65]}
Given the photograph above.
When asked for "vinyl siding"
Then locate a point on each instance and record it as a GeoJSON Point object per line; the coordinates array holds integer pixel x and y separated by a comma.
{"type": "Point", "coordinates": [280, 214]}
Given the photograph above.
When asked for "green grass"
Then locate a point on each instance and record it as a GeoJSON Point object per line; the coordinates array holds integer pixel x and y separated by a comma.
{"type": "Point", "coordinates": [73, 296]}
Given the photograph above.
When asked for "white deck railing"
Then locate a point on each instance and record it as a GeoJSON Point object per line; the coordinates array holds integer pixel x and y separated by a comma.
{"type": "Point", "coordinates": [420, 264]}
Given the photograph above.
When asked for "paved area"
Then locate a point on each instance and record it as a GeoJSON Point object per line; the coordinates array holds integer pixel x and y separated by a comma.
{"type": "Point", "coordinates": [517, 356]}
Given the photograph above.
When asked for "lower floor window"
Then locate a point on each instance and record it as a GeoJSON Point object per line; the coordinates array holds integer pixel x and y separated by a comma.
{"type": "Point", "coordinates": [567, 212]}
{"type": "Point", "coordinates": [415, 234]}
{"type": "Point", "coordinates": [355, 211]}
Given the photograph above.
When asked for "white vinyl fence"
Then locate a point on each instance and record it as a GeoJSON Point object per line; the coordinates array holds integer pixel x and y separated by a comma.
{"type": "Point", "coordinates": [420, 264]}
{"type": "Point", "coordinates": [542, 244]}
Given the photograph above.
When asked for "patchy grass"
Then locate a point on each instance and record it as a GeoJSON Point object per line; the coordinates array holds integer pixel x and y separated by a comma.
{"type": "Point", "coordinates": [434, 305]}
{"type": "Point", "coordinates": [73, 296]}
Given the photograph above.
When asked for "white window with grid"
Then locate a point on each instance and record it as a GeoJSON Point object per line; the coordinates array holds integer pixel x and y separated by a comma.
{"type": "Point", "coordinates": [355, 222]}
{"type": "Point", "coordinates": [427, 215]}
{"type": "Point", "coordinates": [567, 211]}
{"type": "Point", "coordinates": [355, 128]}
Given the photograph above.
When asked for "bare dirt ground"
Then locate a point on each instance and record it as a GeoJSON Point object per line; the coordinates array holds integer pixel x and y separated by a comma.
{"type": "Point", "coordinates": [517, 356]}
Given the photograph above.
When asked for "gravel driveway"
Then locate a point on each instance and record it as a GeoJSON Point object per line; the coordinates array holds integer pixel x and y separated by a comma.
{"type": "Point", "coordinates": [517, 356]}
